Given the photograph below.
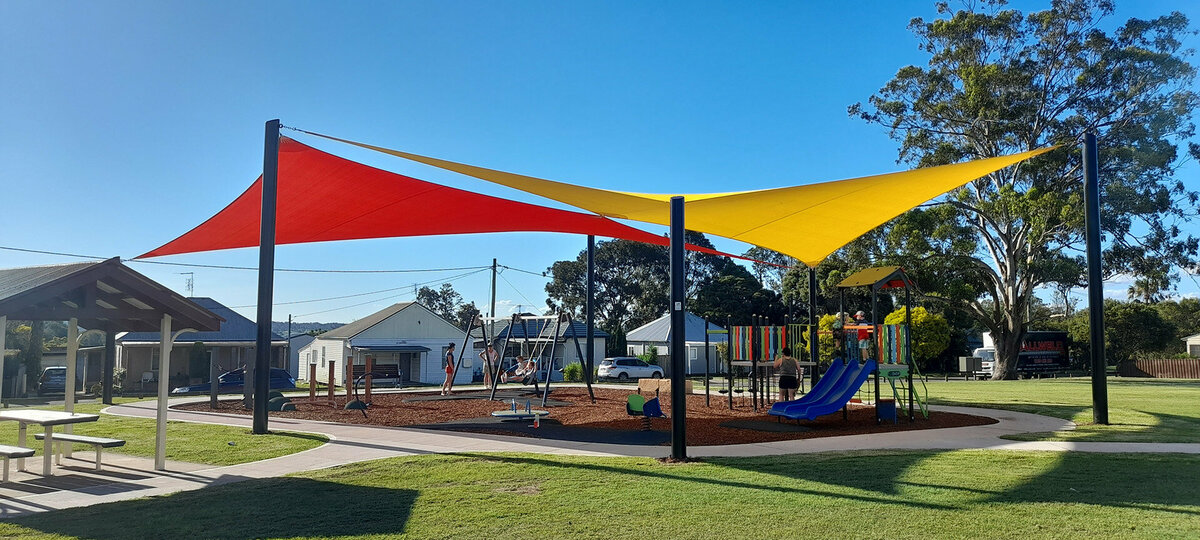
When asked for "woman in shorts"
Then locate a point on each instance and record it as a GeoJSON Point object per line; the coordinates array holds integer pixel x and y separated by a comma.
{"type": "Point", "coordinates": [789, 374]}
{"type": "Point", "coordinates": [449, 370]}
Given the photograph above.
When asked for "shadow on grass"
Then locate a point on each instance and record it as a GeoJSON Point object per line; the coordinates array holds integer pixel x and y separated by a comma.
{"type": "Point", "coordinates": [872, 479]}
{"type": "Point", "coordinates": [268, 508]}
{"type": "Point", "coordinates": [1140, 481]}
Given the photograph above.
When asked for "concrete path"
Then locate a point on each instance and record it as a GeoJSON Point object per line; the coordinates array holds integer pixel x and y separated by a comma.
{"type": "Point", "coordinates": [353, 443]}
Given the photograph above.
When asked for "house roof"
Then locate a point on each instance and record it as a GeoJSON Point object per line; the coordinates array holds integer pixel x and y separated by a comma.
{"type": "Point", "coordinates": [659, 330]}
{"type": "Point", "coordinates": [357, 327]}
{"type": "Point", "coordinates": [536, 327]}
{"type": "Point", "coordinates": [234, 328]}
{"type": "Point", "coordinates": [104, 295]}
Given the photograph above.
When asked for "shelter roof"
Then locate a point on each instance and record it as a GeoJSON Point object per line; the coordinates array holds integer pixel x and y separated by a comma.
{"type": "Point", "coordinates": [879, 277]}
{"type": "Point", "coordinates": [104, 295]}
{"type": "Point", "coordinates": [830, 214]}
{"type": "Point", "coordinates": [234, 328]}
{"type": "Point", "coordinates": [659, 330]}
{"type": "Point", "coordinates": [322, 197]}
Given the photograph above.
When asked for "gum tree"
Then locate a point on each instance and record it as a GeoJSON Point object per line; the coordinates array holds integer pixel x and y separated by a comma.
{"type": "Point", "coordinates": [999, 81]}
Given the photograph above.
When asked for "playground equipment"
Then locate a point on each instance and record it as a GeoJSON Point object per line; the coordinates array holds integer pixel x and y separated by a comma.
{"type": "Point", "coordinates": [547, 339]}
{"type": "Point", "coordinates": [754, 349]}
{"type": "Point", "coordinates": [637, 405]}
{"type": "Point", "coordinates": [832, 397]}
{"type": "Point", "coordinates": [890, 345]}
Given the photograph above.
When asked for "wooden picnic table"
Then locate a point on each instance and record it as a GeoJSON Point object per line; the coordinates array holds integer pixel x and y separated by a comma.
{"type": "Point", "coordinates": [46, 419]}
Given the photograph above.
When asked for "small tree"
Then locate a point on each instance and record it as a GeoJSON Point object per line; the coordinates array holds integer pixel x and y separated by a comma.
{"type": "Point", "coordinates": [930, 333]}
{"type": "Point", "coordinates": [650, 356]}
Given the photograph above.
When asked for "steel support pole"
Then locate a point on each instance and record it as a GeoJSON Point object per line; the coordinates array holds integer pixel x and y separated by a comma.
{"type": "Point", "coordinates": [590, 312]}
{"type": "Point", "coordinates": [814, 345]}
{"type": "Point", "coordinates": [678, 339]}
{"type": "Point", "coordinates": [1091, 192]}
{"type": "Point", "coordinates": [707, 363]}
{"type": "Point", "coordinates": [266, 276]}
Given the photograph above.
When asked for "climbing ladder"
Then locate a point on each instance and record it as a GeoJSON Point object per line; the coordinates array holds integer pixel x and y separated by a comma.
{"type": "Point", "coordinates": [920, 395]}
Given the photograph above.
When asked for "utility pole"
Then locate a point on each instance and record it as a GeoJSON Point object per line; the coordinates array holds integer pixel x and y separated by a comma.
{"type": "Point", "coordinates": [492, 328]}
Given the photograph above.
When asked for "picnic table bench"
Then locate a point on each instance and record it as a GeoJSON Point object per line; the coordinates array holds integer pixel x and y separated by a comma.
{"type": "Point", "coordinates": [98, 443]}
{"type": "Point", "coordinates": [9, 452]}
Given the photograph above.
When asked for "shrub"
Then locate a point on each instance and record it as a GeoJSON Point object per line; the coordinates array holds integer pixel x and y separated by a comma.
{"type": "Point", "coordinates": [573, 373]}
{"type": "Point", "coordinates": [650, 356]}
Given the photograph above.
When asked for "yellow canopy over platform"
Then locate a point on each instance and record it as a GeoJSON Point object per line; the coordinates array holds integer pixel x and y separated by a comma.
{"type": "Point", "coordinates": [871, 277]}
{"type": "Point", "coordinates": [808, 222]}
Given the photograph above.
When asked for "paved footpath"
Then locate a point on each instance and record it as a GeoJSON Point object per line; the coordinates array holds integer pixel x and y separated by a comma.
{"type": "Point", "coordinates": [353, 443]}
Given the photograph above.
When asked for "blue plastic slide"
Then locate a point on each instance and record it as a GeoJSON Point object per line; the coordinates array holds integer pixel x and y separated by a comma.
{"type": "Point", "coordinates": [836, 369]}
{"type": "Point", "coordinates": [837, 398]}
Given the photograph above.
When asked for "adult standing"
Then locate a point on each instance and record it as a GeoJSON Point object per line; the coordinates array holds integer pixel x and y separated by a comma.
{"type": "Point", "coordinates": [490, 358]}
{"type": "Point", "coordinates": [789, 374]}
{"type": "Point", "coordinates": [446, 386]}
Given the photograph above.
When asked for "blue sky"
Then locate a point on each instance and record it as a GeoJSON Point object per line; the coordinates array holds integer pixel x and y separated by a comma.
{"type": "Point", "coordinates": [127, 123]}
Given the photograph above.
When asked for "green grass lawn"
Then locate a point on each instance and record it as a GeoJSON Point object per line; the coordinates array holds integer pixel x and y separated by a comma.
{"type": "Point", "coordinates": [196, 443]}
{"type": "Point", "coordinates": [960, 494]}
{"type": "Point", "coordinates": [1139, 410]}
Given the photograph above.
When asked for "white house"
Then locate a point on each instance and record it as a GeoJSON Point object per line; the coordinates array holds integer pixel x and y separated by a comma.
{"type": "Point", "coordinates": [406, 339]}
{"type": "Point", "coordinates": [1193, 345]}
{"type": "Point", "coordinates": [657, 333]}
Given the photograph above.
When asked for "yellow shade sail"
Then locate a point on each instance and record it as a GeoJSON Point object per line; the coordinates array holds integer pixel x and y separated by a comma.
{"type": "Point", "coordinates": [808, 222]}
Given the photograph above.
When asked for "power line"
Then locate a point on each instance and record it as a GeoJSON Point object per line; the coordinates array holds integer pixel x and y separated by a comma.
{"type": "Point", "coordinates": [532, 305]}
{"type": "Point", "coordinates": [443, 280]}
{"type": "Point", "coordinates": [530, 272]}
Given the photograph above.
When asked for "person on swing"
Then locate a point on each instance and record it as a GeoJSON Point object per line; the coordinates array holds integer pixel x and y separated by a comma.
{"type": "Point", "coordinates": [521, 371]}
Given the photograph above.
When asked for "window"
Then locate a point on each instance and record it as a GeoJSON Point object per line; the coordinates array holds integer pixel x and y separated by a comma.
{"type": "Point", "coordinates": [693, 353]}
{"type": "Point", "coordinates": [155, 353]}
{"type": "Point", "coordinates": [322, 356]}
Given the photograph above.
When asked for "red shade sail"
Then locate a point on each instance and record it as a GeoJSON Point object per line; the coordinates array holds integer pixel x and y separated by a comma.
{"type": "Point", "coordinates": [322, 197]}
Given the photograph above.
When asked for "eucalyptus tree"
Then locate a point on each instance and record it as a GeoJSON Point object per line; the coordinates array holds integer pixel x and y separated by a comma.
{"type": "Point", "coordinates": [998, 81]}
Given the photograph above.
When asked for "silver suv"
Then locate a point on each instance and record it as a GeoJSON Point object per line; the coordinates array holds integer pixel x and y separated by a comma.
{"type": "Point", "coordinates": [623, 368]}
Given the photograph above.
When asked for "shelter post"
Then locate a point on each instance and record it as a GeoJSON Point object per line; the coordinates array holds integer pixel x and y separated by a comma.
{"type": "Point", "coordinates": [1091, 190]}
{"type": "Point", "coordinates": [590, 309]}
{"type": "Point", "coordinates": [109, 363]}
{"type": "Point", "coordinates": [3, 334]}
{"type": "Point", "coordinates": [266, 276]}
{"type": "Point", "coordinates": [164, 368]}
{"type": "Point", "coordinates": [72, 357]}
{"type": "Point", "coordinates": [678, 342]}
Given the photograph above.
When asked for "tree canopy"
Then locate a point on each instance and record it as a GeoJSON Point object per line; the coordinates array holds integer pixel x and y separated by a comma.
{"type": "Point", "coordinates": [999, 81]}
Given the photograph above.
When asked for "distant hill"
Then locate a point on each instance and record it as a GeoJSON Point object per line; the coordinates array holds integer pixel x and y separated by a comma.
{"type": "Point", "coordinates": [281, 328]}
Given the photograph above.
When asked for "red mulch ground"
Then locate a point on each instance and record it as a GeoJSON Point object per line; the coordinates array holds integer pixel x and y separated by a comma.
{"type": "Point", "coordinates": [608, 413]}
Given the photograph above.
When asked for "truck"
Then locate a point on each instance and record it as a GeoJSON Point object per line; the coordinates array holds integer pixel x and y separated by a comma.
{"type": "Point", "coordinates": [1042, 351]}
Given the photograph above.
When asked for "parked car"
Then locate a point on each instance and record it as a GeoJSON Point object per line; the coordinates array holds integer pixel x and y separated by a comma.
{"type": "Point", "coordinates": [233, 381]}
{"type": "Point", "coordinates": [53, 381]}
{"type": "Point", "coordinates": [623, 368]}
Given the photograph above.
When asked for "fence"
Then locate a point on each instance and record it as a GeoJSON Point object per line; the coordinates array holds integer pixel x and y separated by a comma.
{"type": "Point", "coordinates": [1167, 368]}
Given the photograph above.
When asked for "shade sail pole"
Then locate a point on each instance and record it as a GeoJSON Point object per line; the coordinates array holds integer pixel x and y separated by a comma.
{"type": "Point", "coordinates": [1091, 193]}
{"type": "Point", "coordinates": [814, 354]}
{"type": "Point", "coordinates": [266, 276]}
{"type": "Point", "coordinates": [590, 314]}
{"type": "Point", "coordinates": [678, 339]}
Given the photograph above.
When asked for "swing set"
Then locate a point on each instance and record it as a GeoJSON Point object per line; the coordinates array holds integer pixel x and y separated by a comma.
{"type": "Point", "coordinates": [541, 352]}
